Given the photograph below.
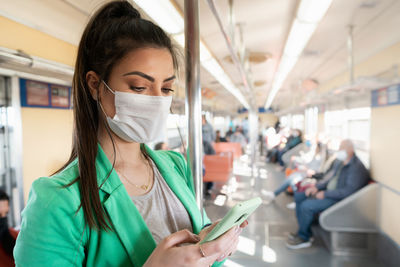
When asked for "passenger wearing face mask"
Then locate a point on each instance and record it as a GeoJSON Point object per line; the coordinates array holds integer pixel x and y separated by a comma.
{"type": "Point", "coordinates": [347, 179]}
{"type": "Point", "coordinates": [116, 202]}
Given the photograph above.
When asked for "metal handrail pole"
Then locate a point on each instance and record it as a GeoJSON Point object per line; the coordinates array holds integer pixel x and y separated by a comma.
{"type": "Point", "coordinates": [193, 96]}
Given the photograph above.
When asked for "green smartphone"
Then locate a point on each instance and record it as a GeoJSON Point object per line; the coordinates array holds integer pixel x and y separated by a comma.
{"type": "Point", "coordinates": [238, 214]}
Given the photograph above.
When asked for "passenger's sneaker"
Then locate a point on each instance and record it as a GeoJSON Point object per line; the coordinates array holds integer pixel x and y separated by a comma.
{"type": "Point", "coordinates": [298, 243]}
{"type": "Point", "coordinates": [292, 236]}
{"type": "Point", "coordinates": [269, 194]}
{"type": "Point", "coordinates": [291, 205]}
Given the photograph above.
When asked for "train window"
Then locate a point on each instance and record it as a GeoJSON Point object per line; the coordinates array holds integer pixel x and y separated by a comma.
{"type": "Point", "coordinates": [172, 134]}
{"type": "Point", "coordinates": [295, 121]}
{"type": "Point", "coordinates": [221, 123]}
{"type": "Point", "coordinates": [284, 120]}
{"type": "Point", "coordinates": [353, 124]}
{"type": "Point", "coordinates": [298, 121]}
{"type": "Point", "coordinates": [311, 122]}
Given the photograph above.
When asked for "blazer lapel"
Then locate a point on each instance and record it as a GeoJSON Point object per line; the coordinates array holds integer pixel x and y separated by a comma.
{"type": "Point", "coordinates": [178, 185]}
{"type": "Point", "coordinates": [126, 219]}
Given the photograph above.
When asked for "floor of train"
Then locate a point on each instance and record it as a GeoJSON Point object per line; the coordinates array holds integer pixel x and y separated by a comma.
{"type": "Point", "coordinates": [262, 243]}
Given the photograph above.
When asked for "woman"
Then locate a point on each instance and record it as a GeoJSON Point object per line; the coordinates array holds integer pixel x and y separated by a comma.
{"type": "Point", "coordinates": [116, 202]}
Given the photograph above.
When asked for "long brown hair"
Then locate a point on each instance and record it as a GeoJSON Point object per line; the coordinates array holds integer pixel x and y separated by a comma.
{"type": "Point", "coordinates": [113, 31]}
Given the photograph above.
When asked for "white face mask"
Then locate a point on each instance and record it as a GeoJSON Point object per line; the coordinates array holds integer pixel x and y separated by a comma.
{"type": "Point", "coordinates": [139, 118]}
{"type": "Point", "coordinates": [341, 155]}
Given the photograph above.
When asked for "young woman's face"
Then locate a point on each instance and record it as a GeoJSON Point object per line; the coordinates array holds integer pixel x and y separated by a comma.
{"type": "Point", "coordinates": [147, 71]}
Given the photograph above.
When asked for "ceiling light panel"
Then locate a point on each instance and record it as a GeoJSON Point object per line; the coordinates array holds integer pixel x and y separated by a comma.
{"type": "Point", "coordinates": [167, 17]}
{"type": "Point", "coordinates": [164, 14]}
{"type": "Point", "coordinates": [309, 14]}
{"type": "Point", "coordinates": [312, 11]}
{"type": "Point", "coordinates": [299, 35]}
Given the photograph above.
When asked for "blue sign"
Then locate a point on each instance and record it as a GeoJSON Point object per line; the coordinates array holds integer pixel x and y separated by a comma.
{"type": "Point", "coordinates": [387, 96]}
{"type": "Point", "coordinates": [260, 110]}
{"type": "Point", "coordinates": [44, 95]}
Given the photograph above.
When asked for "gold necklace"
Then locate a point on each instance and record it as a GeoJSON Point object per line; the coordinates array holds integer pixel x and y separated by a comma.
{"type": "Point", "coordinates": [143, 186]}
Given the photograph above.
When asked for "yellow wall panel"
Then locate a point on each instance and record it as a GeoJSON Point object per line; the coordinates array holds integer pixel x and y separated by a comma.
{"type": "Point", "coordinates": [385, 145]}
{"type": "Point", "coordinates": [35, 43]}
{"type": "Point", "coordinates": [389, 215]}
{"type": "Point", "coordinates": [268, 119]}
{"type": "Point", "coordinates": [47, 142]}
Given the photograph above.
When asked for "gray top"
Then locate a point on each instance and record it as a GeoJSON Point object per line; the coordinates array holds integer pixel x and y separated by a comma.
{"type": "Point", "coordinates": [162, 211]}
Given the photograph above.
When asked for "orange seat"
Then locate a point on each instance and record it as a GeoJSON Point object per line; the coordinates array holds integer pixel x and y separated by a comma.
{"type": "Point", "coordinates": [218, 167]}
{"type": "Point", "coordinates": [222, 147]}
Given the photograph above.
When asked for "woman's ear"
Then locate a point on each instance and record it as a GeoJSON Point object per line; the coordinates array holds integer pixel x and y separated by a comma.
{"type": "Point", "coordinates": [93, 81]}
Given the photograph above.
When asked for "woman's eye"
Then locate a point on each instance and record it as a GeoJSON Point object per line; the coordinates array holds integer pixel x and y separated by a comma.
{"type": "Point", "coordinates": [167, 90]}
{"type": "Point", "coordinates": [137, 89]}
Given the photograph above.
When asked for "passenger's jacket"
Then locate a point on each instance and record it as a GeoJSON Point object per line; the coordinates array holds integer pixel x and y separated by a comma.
{"type": "Point", "coordinates": [292, 142]}
{"type": "Point", "coordinates": [53, 234]}
{"type": "Point", "coordinates": [352, 177]}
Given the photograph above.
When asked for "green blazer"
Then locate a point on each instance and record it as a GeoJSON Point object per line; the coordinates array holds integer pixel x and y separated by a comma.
{"type": "Point", "coordinates": [54, 234]}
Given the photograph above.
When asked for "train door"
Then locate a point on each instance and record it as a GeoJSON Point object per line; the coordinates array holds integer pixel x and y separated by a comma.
{"type": "Point", "coordinates": [8, 179]}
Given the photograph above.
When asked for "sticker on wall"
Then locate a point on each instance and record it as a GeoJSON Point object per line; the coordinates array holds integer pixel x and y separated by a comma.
{"type": "Point", "coordinates": [59, 96]}
{"type": "Point", "coordinates": [44, 95]}
{"type": "Point", "coordinates": [37, 94]}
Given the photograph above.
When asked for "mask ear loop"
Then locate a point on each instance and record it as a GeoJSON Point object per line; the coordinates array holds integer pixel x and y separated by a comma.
{"type": "Point", "coordinates": [108, 87]}
{"type": "Point", "coordinates": [107, 129]}
{"type": "Point", "coordinates": [98, 97]}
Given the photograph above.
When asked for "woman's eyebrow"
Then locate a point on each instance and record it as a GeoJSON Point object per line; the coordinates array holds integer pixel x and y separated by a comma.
{"type": "Point", "coordinates": [147, 77]}
{"type": "Point", "coordinates": [141, 74]}
{"type": "Point", "coordinates": [170, 78]}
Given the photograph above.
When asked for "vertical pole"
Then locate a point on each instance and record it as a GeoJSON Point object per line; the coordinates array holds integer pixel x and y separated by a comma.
{"type": "Point", "coordinates": [193, 96]}
{"type": "Point", "coordinates": [351, 54]}
{"type": "Point", "coordinates": [232, 23]}
{"type": "Point", "coordinates": [253, 134]}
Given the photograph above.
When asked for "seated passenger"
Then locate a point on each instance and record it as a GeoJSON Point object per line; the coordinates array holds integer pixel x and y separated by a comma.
{"type": "Point", "coordinates": [7, 241]}
{"type": "Point", "coordinates": [346, 180]}
{"type": "Point", "coordinates": [229, 133]}
{"type": "Point", "coordinates": [116, 202]}
{"type": "Point", "coordinates": [303, 171]}
{"type": "Point", "coordinates": [218, 137]}
{"type": "Point", "coordinates": [294, 139]}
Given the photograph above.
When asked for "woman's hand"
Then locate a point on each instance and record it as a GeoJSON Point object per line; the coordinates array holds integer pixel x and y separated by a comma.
{"type": "Point", "coordinates": [174, 250]}
{"type": "Point", "coordinates": [231, 248]}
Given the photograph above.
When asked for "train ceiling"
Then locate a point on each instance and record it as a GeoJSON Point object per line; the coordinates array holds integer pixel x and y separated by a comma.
{"type": "Point", "coordinates": [265, 27]}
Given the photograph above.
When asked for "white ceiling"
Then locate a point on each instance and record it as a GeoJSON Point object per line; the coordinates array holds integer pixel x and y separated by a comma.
{"type": "Point", "coordinates": [326, 55]}
{"type": "Point", "coordinates": [266, 24]}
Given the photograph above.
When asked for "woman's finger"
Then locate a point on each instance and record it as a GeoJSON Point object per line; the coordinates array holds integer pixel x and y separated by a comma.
{"type": "Point", "coordinates": [207, 229]}
{"type": "Point", "coordinates": [180, 237]}
{"type": "Point", "coordinates": [244, 224]}
{"type": "Point", "coordinates": [218, 246]}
